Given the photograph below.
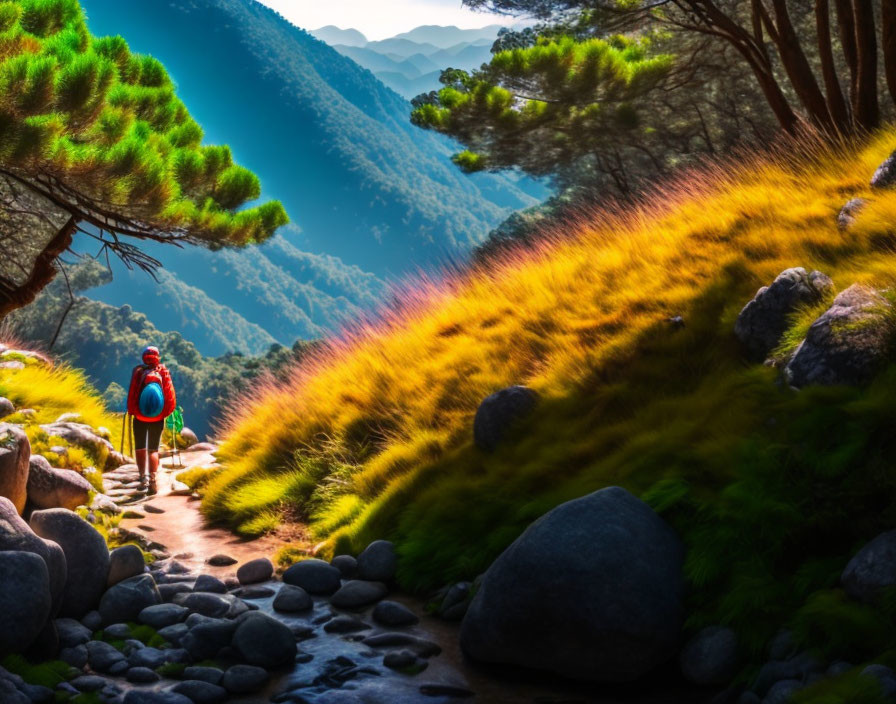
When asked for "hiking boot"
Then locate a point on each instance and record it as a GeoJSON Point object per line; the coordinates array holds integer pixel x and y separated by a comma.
{"type": "Point", "coordinates": [151, 487]}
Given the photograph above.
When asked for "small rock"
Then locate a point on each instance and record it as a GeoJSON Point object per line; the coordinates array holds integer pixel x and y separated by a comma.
{"type": "Point", "coordinates": [872, 569]}
{"type": "Point", "coordinates": [260, 570]}
{"type": "Point", "coordinates": [89, 683]}
{"type": "Point", "coordinates": [763, 321]}
{"type": "Point", "coordinates": [263, 641]}
{"type": "Point", "coordinates": [206, 639]}
{"type": "Point", "coordinates": [72, 632]}
{"type": "Point", "coordinates": [213, 605]}
{"type": "Point", "coordinates": [400, 659]}
{"type": "Point", "coordinates": [127, 599]}
{"type": "Point", "coordinates": [201, 692]}
{"type": "Point", "coordinates": [782, 691]}
{"type": "Point", "coordinates": [456, 601]}
{"type": "Point", "coordinates": [357, 594]}
{"type": "Point", "coordinates": [220, 561]}
{"type": "Point", "coordinates": [710, 657]}
{"type": "Point", "coordinates": [169, 591]}
{"type": "Point", "coordinates": [7, 407]}
{"type": "Point", "coordinates": [254, 592]}
{"type": "Point", "coordinates": [378, 562]}
{"type": "Point", "coordinates": [393, 614]}
{"type": "Point", "coordinates": [314, 576]}
{"type": "Point", "coordinates": [346, 564]}
{"type": "Point", "coordinates": [210, 584]}
{"type": "Point", "coordinates": [422, 647]}
{"type": "Point", "coordinates": [142, 675]}
{"type": "Point", "coordinates": [847, 215]}
{"type": "Point", "coordinates": [244, 679]}
{"type": "Point", "coordinates": [102, 657]}
{"type": "Point", "coordinates": [161, 615]}
{"type": "Point", "coordinates": [885, 176]}
{"type": "Point", "coordinates": [118, 631]}
{"type": "Point", "coordinates": [292, 599]}
{"type": "Point", "coordinates": [125, 562]}
{"type": "Point", "coordinates": [149, 508]}
{"type": "Point", "coordinates": [211, 675]}
{"type": "Point", "coordinates": [782, 646]}
{"type": "Point", "coordinates": [345, 624]}
{"type": "Point", "coordinates": [142, 696]}
{"type": "Point", "coordinates": [174, 634]}
{"type": "Point", "coordinates": [92, 620]}
{"type": "Point", "coordinates": [76, 656]}
{"type": "Point", "coordinates": [148, 657]}
{"type": "Point", "coordinates": [884, 675]}
{"type": "Point", "coordinates": [498, 413]}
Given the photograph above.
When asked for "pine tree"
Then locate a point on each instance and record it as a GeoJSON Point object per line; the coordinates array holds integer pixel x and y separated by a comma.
{"type": "Point", "coordinates": [94, 136]}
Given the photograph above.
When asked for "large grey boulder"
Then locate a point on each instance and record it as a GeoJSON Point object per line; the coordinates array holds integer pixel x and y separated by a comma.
{"type": "Point", "coordinates": [591, 590]}
{"type": "Point", "coordinates": [86, 556]}
{"type": "Point", "coordinates": [291, 599]}
{"type": "Point", "coordinates": [872, 569]}
{"type": "Point", "coordinates": [264, 641]}
{"type": "Point", "coordinates": [498, 412]}
{"type": "Point", "coordinates": [25, 599]}
{"type": "Point", "coordinates": [207, 638]}
{"type": "Point", "coordinates": [847, 344]}
{"type": "Point", "coordinates": [125, 601]}
{"type": "Point", "coordinates": [711, 657]}
{"type": "Point", "coordinates": [378, 562]}
{"type": "Point", "coordinates": [15, 451]}
{"type": "Point", "coordinates": [885, 176]}
{"type": "Point", "coordinates": [15, 534]}
{"type": "Point", "coordinates": [763, 321]}
{"type": "Point", "coordinates": [314, 576]}
{"type": "Point", "coordinates": [125, 562]}
{"type": "Point", "coordinates": [49, 487]}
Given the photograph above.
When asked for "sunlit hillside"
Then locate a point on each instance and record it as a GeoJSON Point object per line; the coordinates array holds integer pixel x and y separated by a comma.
{"type": "Point", "coordinates": [771, 489]}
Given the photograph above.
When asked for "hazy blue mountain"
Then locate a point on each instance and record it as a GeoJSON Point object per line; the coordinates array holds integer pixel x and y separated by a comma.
{"type": "Point", "coordinates": [446, 37]}
{"type": "Point", "coordinates": [371, 196]}
{"type": "Point", "coordinates": [411, 63]}
{"type": "Point", "coordinates": [334, 35]}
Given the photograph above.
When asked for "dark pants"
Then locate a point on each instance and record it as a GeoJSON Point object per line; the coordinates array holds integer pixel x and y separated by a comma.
{"type": "Point", "coordinates": [148, 436]}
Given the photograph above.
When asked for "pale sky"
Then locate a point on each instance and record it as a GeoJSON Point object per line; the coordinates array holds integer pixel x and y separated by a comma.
{"type": "Point", "coordinates": [379, 19]}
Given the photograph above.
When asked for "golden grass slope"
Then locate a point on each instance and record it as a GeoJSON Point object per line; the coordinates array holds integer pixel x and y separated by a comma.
{"type": "Point", "coordinates": [372, 437]}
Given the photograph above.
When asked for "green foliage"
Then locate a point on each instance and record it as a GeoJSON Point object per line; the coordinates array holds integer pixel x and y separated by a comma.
{"type": "Point", "coordinates": [46, 674]}
{"type": "Point", "coordinates": [571, 95]}
{"type": "Point", "coordinates": [107, 124]}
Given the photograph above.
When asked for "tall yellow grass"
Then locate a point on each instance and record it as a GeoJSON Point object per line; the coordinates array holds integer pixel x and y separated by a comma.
{"type": "Point", "coordinates": [380, 421]}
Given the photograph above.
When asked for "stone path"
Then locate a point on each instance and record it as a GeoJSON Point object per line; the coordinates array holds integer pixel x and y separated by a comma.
{"type": "Point", "coordinates": [345, 655]}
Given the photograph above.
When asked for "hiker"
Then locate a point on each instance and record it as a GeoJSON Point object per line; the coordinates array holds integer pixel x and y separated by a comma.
{"type": "Point", "coordinates": [151, 399]}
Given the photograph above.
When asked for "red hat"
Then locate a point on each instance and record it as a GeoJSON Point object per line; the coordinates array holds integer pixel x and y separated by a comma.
{"type": "Point", "coordinates": [151, 356]}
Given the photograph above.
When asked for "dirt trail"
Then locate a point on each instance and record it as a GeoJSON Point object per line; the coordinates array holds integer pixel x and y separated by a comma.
{"type": "Point", "coordinates": [172, 519]}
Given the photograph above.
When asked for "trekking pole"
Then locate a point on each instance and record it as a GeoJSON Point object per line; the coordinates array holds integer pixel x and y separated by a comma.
{"type": "Point", "coordinates": [124, 422]}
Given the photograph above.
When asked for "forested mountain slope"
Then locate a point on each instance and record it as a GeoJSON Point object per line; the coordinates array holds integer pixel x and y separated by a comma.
{"type": "Point", "coordinates": [368, 191]}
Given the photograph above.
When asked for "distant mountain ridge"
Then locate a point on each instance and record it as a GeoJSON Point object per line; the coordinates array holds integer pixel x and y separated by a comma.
{"type": "Point", "coordinates": [411, 62]}
{"type": "Point", "coordinates": [372, 196]}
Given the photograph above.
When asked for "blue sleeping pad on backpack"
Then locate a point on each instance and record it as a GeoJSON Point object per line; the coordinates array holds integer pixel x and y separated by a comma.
{"type": "Point", "coordinates": [151, 401]}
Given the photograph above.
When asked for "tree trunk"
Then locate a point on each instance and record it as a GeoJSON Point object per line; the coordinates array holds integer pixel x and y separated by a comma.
{"type": "Point", "coordinates": [17, 295]}
{"type": "Point", "coordinates": [866, 108]}
{"type": "Point", "coordinates": [888, 42]}
{"type": "Point", "coordinates": [847, 25]}
{"type": "Point", "coordinates": [797, 66]}
{"type": "Point", "coordinates": [836, 101]}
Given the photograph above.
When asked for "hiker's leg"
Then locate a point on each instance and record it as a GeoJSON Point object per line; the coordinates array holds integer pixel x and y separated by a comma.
{"type": "Point", "coordinates": [153, 468]}
{"type": "Point", "coordinates": [141, 464]}
{"type": "Point", "coordinates": [153, 440]}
